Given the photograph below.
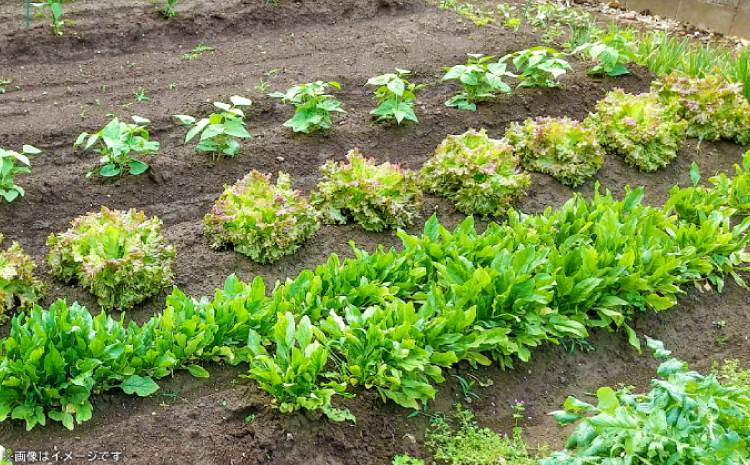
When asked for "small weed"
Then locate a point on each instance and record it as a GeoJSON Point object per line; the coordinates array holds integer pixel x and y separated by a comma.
{"type": "Point", "coordinates": [141, 96]}
{"type": "Point", "coordinates": [721, 341]}
{"type": "Point", "coordinates": [172, 395]}
{"type": "Point", "coordinates": [270, 72]}
{"type": "Point", "coordinates": [570, 344]}
{"type": "Point", "coordinates": [466, 387]}
{"type": "Point", "coordinates": [4, 82]}
{"type": "Point", "coordinates": [197, 52]}
{"type": "Point", "coordinates": [731, 373]}
{"type": "Point", "coordinates": [262, 86]}
{"type": "Point", "coordinates": [132, 64]}
{"type": "Point", "coordinates": [468, 444]}
{"type": "Point", "coordinates": [172, 86]}
{"type": "Point", "coordinates": [406, 460]}
{"type": "Point", "coordinates": [250, 418]}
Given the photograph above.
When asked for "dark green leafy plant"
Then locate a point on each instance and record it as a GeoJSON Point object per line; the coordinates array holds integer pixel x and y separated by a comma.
{"type": "Point", "coordinates": [116, 140]}
{"type": "Point", "coordinates": [19, 288]}
{"type": "Point", "coordinates": [395, 96]}
{"type": "Point", "coordinates": [539, 66]}
{"type": "Point", "coordinates": [647, 133]}
{"type": "Point", "coordinates": [613, 51]}
{"type": "Point", "coordinates": [685, 419]}
{"type": "Point", "coordinates": [713, 108]}
{"type": "Point", "coordinates": [313, 106]}
{"type": "Point", "coordinates": [560, 147]}
{"type": "Point", "coordinates": [9, 169]}
{"type": "Point", "coordinates": [381, 348]}
{"type": "Point", "coordinates": [375, 196]}
{"type": "Point", "coordinates": [291, 375]}
{"type": "Point", "coordinates": [55, 8]}
{"type": "Point", "coordinates": [727, 195]}
{"type": "Point", "coordinates": [217, 132]}
{"type": "Point", "coordinates": [480, 175]}
{"type": "Point", "coordinates": [121, 257]}
{"type": "Point", "coordinates": [480, 81]}
{"type": "Point", "coordinates": [263, 221]}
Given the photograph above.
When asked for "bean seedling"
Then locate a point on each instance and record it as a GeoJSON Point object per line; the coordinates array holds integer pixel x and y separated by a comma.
{"type": "Point", "coordinates": [395, 96]}
{"type": "Point", "coordinates": [313, 106]}
{"type": "Point", "coordinates": [117, 139]}
{"type": "Point", "coordinates": [55, 7]}
{"type": "Point", "coordinates": [219, 129]}
{"type": "Point", "coordinates": [9, 168]}
{"type": "Point", "coordinates": [479, 79]}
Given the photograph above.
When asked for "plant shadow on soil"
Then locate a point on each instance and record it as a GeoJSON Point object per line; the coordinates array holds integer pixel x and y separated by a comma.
{"type": "Point", "coordinates": [117, 49]}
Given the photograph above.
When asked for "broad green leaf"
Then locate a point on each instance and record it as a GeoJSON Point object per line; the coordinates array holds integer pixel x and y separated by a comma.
{"type": "Point", "coordinates": [141, 386]}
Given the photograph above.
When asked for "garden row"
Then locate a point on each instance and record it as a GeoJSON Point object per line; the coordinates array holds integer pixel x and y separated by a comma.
{"type": "Point", "coordinates": [122, 258]}
{"type": "Point", "coordinates": [393, 320]}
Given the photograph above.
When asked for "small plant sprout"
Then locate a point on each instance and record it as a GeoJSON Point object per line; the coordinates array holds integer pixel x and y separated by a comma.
{"type": "Point", "coordinates": [4, 82]}
{"type": "Point", "coordinates": [197, 52]}
{"type": "Point", "coordinates": [11, 164]}
{"type": "Point", "coordinates": [395, 96]}
{"type": "Point", "coordinates": [219, 130]}
{"type": "Point", "coordinates": [169, 11]}
{"type": "Point", "coordinates": [539, 66]}
{"type": "Point", "coordinates": [313, 105]}
{"type": "Point", "coordinates": [116, 140]}
{"type": "Point", "coordinates": [55, 7]}
{"type": "Point", "coordinates": [141, 96]}
{"type": "Point", "coordinates": [479, 79]}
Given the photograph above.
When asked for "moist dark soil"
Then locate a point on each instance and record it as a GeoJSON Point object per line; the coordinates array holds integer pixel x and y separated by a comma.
{"type": "Point", "coordinates": [65, 85]}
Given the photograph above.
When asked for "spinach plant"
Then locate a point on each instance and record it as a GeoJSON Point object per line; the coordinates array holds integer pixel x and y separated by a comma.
{"type": "Point", "coordinates": [613, 51]}
{"type": "Point", "coordinates": [116, 140]}
{"type": "Point", "coordinates": [55, 7]}
{"type": "Point", "coordinates": [11, 164]}
{"type": "Point", "coordinates": [395, 96]}
{"type": "Point", "coordinates": [686, 418]}
{"type": "Point", "coordinates": [313, 105]}
{"type": "Point", "coordinates": [479, 79]}
{"type": "Point", "coordinates": [291, 375]}
{"type": "Point", "coordinates": [539, 66]}
{"type": "Point", "coordinates": [219, 129]}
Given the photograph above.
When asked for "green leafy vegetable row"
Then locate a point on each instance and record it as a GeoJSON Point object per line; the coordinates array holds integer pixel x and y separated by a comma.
{"type": "Point", "coordinates": [393, 320]}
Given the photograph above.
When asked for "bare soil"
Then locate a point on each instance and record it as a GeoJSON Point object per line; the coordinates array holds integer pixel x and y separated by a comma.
{"type": "Point", "coordinates": [69, 84]}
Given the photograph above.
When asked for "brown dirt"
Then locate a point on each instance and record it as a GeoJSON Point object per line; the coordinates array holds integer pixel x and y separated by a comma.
{"type": "Point", "coordinates": [118, 48]}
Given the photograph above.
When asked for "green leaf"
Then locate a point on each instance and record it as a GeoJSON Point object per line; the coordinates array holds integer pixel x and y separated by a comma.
{"type": "Point", "coordinates": [141, 386]}
{"type": "Point", "coordinates": [197, 371]}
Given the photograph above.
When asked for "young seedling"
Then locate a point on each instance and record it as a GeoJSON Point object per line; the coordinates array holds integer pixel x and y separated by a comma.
{"type": "Point", "coordinates": [169, 9]}
{"type": "Point", "coordinates": [12, 163]}
{"type": "Point", "coordinates": [116, 140]}
{"type": "Point", "coordinates": [395, 96]}
{"type": "Point", "coordinates": [313, 106]}
{"type": "Point", "coordinates": [197, 52]}
{"type": "Point", "coordinates": [141, 96]}
{"type": "Point", "coordinates": [479, 79]}
{"type": "Point", "coordinates": [4, 82]}
{"type": "Point", "coordinates": [539, 66]}
{"type": "Point", "coordinates": [55, 7]}
{"type": "Point", "coordinates": [219, 129]}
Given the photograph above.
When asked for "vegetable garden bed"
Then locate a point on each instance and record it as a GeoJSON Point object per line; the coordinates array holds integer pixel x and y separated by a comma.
{"type": "Point", "coordinates": [69, 84]}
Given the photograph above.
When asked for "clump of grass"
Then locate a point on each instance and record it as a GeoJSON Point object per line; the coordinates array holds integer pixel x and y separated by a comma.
{"type": "Point", "coordinates": [665, 53]}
